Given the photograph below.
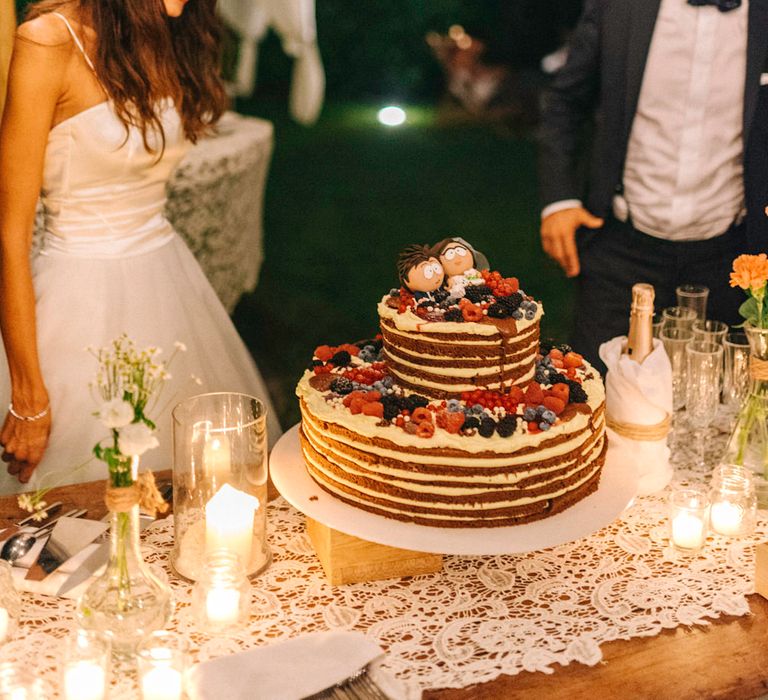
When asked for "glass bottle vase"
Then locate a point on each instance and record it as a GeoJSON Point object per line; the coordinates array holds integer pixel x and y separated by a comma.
{"type": "Point", "coordinates": [748, 443]}
{"type": "Point", "coordinates": [130, 599]}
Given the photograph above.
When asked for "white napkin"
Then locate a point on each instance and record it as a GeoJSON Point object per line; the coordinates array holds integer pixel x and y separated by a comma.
{"type": "Point", "coordinates": [639, 394]}
{"type": "Point", "coordinates": [51, 583]}
{"type": "Point", "coordinates": [286, 670]}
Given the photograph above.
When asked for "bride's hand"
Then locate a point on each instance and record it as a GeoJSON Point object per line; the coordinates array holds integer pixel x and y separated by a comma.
{"type": "Point", "coordinates": [23, 443]}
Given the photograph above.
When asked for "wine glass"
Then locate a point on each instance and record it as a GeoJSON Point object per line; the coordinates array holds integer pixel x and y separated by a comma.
{"type": "Point", "coordinates": [712, 331]}
{"type": "Point", "coordinates": [678, 317]}
{"type": "Point", "coordinates": [704, 361]}
{"type": "Point", "coordinates": [675, 340]}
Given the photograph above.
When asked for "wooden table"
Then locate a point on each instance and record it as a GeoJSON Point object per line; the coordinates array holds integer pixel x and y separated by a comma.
{"type": "Point", "coordinates": [727, 659]}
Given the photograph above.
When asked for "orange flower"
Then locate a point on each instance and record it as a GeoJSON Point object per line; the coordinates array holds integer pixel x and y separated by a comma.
{"type": "Point", "coordinates": [750, 272]}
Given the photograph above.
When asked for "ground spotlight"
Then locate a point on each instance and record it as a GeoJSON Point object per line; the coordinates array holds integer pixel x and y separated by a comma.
{"type": "Point", "coordinates": [391, 116]}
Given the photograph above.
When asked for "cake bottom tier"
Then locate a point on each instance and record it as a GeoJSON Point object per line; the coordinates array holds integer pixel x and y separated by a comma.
{"type": "Point", "coordinates": [463, 497]}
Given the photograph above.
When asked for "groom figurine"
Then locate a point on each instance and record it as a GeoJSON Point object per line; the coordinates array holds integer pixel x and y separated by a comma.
{"type": "Point", "coordinates": [677, 167]}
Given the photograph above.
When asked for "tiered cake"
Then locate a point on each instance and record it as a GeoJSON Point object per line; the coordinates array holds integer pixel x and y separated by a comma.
{"type": "Point", "coordinates": [456, 415]}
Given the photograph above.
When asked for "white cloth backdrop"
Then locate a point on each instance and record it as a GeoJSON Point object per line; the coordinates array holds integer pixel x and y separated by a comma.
{"type": "Point", "coordinates": [294, 22]}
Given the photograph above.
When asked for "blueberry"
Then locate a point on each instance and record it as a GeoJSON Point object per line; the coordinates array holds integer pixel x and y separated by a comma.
{"type": "Point", "coordinates": [517, 314]}
{"type": "Point", "coordinates": [453, 405]}
{"type": "Point", "coordinates": [544, 426]}
{"type": "Point", "coordinates": [529, 414]}
{"type": "Point", "coordinates": [549, 416]}
{"type": "Point", "coordinates": [388, 382]}
{"type": "Point", "coordinates": [540, 410]}
{"type": "Point", "coordinates": [530, 315]}
{"type": "Point", "coordinates": [477, 408]}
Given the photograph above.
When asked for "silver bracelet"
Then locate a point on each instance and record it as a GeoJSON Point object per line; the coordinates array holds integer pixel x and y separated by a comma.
{"type": "Point", "coordinates": [29, 419]}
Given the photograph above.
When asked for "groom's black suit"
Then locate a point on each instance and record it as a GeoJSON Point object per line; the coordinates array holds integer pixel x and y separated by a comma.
{"type": "Point", "coordinates": [602, 79]}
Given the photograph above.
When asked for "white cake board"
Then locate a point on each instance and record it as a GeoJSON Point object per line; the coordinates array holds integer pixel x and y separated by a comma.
{"type": "Point", "coordinates": [618, 485]}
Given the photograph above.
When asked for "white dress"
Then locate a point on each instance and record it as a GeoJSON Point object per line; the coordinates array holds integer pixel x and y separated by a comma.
{"type": "Point", "coordinates": [111, 263]}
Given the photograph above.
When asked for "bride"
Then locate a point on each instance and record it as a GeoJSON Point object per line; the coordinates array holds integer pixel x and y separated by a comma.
{"type": "Point", "coordinates": [104, 97]}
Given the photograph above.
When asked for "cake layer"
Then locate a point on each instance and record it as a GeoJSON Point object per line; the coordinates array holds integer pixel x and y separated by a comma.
{"type": "Point", "coordinates": [441, 360]}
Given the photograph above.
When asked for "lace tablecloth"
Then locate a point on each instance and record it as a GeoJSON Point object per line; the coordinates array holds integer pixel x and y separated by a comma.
{"type": "Point", "coordinates": [215, 201]}
{"type": "Point", "coordinates": [480, 617]}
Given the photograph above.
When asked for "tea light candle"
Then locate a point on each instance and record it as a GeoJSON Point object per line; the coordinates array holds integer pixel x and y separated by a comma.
{"type": "Point", "coordinates": [85, 680]}
{"type": "Point", "coordinates": [222, 605]}
{"type": "Point", "coordinates": [162, 682]}
{"type": "Point", "coordinates": [229, 522]}
{"type": "Point", "coordinates": [687, 531]}
{"type": "Point", "coordinates": [726, 518]}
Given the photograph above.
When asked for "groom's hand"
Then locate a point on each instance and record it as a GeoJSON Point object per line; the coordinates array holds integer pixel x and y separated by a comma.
{"type": "Point", "coordinates": [558, 236]}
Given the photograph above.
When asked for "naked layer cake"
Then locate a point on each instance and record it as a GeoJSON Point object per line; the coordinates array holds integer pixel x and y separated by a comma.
{"type": "Point", "coordinates": [456, 414]}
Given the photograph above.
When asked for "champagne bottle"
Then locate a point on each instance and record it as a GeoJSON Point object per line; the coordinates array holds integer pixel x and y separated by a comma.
{"type": "Point", "coordinates": [640, 336]}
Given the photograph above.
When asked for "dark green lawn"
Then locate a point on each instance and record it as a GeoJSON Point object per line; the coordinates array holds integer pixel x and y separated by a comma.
{"type": "Point", "coordinates": [345, 196]}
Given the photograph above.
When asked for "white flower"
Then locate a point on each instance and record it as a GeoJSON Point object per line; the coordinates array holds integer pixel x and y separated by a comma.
{"type": "Point", "coordinates": [180, 346]}
{"type": "Point", "coordinates": [116, 413]}
{"type": "Point", "coordinates": [136, 439]}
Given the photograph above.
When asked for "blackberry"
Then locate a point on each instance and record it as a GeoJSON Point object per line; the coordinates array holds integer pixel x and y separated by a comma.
{"type": "Point", "coordinates": [316, 363]}
{"type": "Point", "coordinates": [477, 292]}
{"type": "Point", "coordinates": [487, 427]}
{"type": "Point", "coordinates": [564, 348]}
{"type": "Point", "coordinates": [546, 345]}
{"type": "Point", "coordinates": [391, 406]}
{"type": "Point", "coordinates": [414, 401]}
{"type": "Point", "coordinates": [498, 311]}
{"type": "Point", "coordinates": [512, 302]}
{"type": "Point", "coordinates": [471, 423]}
{"type": "Point", "coordinates": [341, 359]}
{"type": "Point", "coordinates": [559, 378]}
{"type": "Point", "coordinates": [440, 295]}
{"type": "Point", "coordinates": [577, 394]}
{"type": "Point", "coordinates": [542, 375]}
{"type": "Point", "coordinates": [453, 315]}
{"type": "Point", "coordinates": [506, 425]}
{"type": "Point", "coordinates": [342, 385]}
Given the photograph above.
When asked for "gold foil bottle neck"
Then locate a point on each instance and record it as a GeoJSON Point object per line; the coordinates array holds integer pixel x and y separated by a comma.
{"type": "Point", "coordinates": [640, 336]}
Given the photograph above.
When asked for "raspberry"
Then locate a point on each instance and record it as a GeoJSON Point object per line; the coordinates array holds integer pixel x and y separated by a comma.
{"type": "Point", "coordinates": [454, 422]}
{"type": "Point", "coordinates": [555, 354]}
{"type": "Point", "coordinates": [349, 398]}
{"type": "Point", "coordinates": [533, 394]}
{"type": "Point", "coordinates": [372, 396]}
{"type": "Point", "coordinates": [425, 429]}
{"type": "Point", "coordinates": [422, 414]}
{"type": "Point", "coordinates": [554, 404]}
{"type": "Point", "coordinates": [356, 405]}
{"type": "Point", "coordinates": [472, 313]}
{"type": "Point", "coordinates": [561, 391]}
{"type": "Point", "coordinates": [373, 408]}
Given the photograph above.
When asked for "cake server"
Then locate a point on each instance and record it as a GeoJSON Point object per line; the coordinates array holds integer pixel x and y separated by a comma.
{"type": "Point", "coordinates": [68, 537]}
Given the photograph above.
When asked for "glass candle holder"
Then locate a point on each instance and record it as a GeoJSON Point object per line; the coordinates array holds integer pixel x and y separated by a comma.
{"type": "Point", "coordinates": [688, 518]}
{"type": "Point", "coordinates": [85, 666]}
{"type": "Point", "coordinates": [220, 481]}
{"type": "Point", "coordinates": [221, 598]}
{"type": "Point", "coordinates": [10, 603]}
{"type": "Point", "coordinates": [162, 662]}
{"type": "Point", "coordinates": [733, 509]}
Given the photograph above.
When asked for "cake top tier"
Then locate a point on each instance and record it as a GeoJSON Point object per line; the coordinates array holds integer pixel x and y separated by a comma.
{"type": "Point", "coordinates": [452, 282]}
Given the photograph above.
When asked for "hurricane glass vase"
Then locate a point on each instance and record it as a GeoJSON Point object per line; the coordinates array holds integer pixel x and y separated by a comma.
{"type": "Point", "coordinates": [748, 443]}
{"type": "Point", "coordinates": [130, 599]}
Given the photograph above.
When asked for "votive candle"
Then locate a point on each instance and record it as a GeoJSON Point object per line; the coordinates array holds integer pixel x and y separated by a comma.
{"type": "Point", "coordinates": [162, 682]}
{"type": "Point", "coordinates": [688, 518]}
{"type": "Point", "coordinates": [85, 680]}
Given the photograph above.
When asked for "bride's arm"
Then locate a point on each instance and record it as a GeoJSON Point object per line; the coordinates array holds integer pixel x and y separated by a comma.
{"type": "Point", "coordinates": [34, 87]}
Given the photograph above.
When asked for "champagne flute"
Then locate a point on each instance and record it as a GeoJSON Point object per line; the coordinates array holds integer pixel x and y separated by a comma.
{"type": "Point", "coordinates": [711, 331]}
{"type": "Point", "coordinates": [704, 361]}
{"type": "Point", "coordinates": [678, 317]}
{"type": "Point", "coordinates": [693, 296]}
{"type": "Point", "coordinates": [675, 340]}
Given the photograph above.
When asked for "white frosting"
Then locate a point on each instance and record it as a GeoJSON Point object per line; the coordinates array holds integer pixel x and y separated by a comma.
{"type": "Point", "coordinates": [457, 388]}
{"type": "Point", "coordinates": [409, 321]}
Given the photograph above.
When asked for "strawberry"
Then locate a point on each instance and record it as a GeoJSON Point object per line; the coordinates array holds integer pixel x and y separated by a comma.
{"type": "Point", "coordinates": [324, 352]}
{"type": "Point", "coordinates": [573, 359]}
{"type": "Point", "coordinates": [454, 421]}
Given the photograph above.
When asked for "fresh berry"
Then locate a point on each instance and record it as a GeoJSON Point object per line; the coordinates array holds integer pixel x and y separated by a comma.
{"type": "Point", "coordinates": [454, 422]}
{"type": "Point", "coordinates": [356, 405]}
{"type": "Point", "coordinates": [421, 414]}
{"type": "Point", "coordinates": [425, 429]}
{"type": "Point", "coordinates": [561, 390]}
{"type": "Point", "coordinates": [373, 408]}
{"type": "Point", "coordinates": [506, 425]}
{"type": "Point", "coordinates": [534, 394]}
{"type": "Point", "coordinates": [472, 313]}
{"type": "Point", "coordinates": [487, 427]}
{"type": "Point", "coordinates": [573, 359]}
{"type": "Point", "coordinates": [498, 311]}
{"type": "Point", "coordinates": [529, 414]}
{"type": "Point", "coordinates": [554, 404]}
{"type": "Point", "coordinates": [471, 423]}
{"type": "Point", "coordinates": [440, 295]}
{"type": "Point", "coordinates": [477, 292]}
{"type": "Point", "coordinates": [549, 417]}
{"type": "Point", "coordinates": [341, 385]}
{"type": "Point", "coordinates": [578, 395]}
{"type": "Point", "coordinates": [323, 352]}
{"type": "Point", "coordinates": [413, 401]}
{"type": "Point", "coordinates": [544, 425]}
{"type": "Point", "coordinates": [453, 316]}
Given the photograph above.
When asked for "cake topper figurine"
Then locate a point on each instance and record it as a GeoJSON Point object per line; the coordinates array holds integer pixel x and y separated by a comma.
{"type": "Point", "coordinates": [460, 261]}
{"type": "Point", "coordinates": [420, 271]}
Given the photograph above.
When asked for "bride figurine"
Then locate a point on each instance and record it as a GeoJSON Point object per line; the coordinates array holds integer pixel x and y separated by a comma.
{"type": "Point", "coordinates": [103, 101]}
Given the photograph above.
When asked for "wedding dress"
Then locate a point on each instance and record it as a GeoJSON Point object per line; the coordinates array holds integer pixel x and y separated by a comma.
{"type": "Point", "coordinates": [110, 264]}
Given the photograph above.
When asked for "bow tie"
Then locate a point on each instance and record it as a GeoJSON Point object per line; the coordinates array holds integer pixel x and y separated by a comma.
{"type": "Point", "coordinates": [722, 5]}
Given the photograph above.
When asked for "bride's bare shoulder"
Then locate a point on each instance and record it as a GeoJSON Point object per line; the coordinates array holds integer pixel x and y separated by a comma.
{"type": "Point", "coordinates": [46, 30]}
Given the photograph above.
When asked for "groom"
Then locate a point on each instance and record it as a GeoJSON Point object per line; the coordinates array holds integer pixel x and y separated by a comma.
{"type": "Point", "coordinates": [678, 169]}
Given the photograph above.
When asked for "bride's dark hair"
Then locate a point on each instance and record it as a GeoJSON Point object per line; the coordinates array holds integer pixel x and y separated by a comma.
{"type": "Point", "coordinates": [143, 55]}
